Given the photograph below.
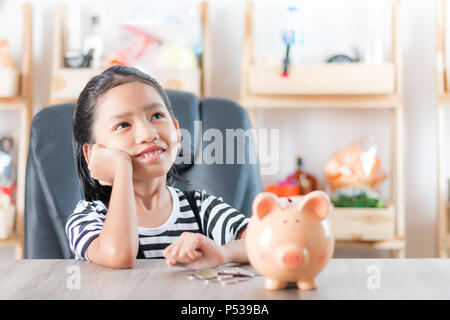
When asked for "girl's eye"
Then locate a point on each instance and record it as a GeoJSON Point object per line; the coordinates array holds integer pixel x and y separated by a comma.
{"type": "Point", "coordinates": [122, 125]}
{"type": "Point", "coordinates": [157, 115]}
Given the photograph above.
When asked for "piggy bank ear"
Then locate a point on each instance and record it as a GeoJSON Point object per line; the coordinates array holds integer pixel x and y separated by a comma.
{"type": "Point", "coordinates": [264, 203]}
{"type": "Point", "coordinates": [316, 203]}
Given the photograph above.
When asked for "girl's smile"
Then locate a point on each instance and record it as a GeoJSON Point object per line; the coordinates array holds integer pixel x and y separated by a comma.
{"type": "Point", "coordinates": [133, 118]}
{"type": "Point", "coordinates": [150, 154]}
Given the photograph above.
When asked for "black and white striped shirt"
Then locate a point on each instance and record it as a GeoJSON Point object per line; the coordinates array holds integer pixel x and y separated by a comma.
{"type": "Point", "coordinates": [221, 222]}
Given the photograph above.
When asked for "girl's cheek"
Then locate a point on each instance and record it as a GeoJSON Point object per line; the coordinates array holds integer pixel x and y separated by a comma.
{"type": "Point", "coordinates": [121, 144]}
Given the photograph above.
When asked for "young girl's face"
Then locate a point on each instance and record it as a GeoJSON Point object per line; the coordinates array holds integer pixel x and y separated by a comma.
{"type": "Point", "coordinates": [133, 118]}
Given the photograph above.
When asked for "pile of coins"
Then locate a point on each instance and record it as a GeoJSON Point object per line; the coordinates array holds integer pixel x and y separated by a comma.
{"type": "Point", "coordinates": [224, 276]}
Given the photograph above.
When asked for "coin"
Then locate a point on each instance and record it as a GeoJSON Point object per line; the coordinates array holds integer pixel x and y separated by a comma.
{"type": "Point", "coordinates": [212, 280]}
{"type": "Point", "coordinates": [191, 277]}
{"type": "Point", "coordinates": [226, 276]}
{"type": "Point", "coordinates": [206, 273]}
{"type": "Point", "coordinates": [235, 271]}
{"type": "Point", "coordinates": [226, 282]}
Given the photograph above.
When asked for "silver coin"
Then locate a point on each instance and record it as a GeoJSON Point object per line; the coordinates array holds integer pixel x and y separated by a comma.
{"type": "Point", "coordinates": [212, 280]}
{"type": "Point", "coordinates": [235, 271]}
{"type": "Point", "coordinates": [225, 276]}
{"type": "Point", "coordinates": [191, 277]}
{"type": "Point", "coordinates": [206, 273]}
{"type": "Point", "coordinates": [226, 282]}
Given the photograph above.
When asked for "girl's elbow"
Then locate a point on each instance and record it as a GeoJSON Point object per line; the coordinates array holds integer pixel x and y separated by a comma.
{"type": "Point", "coordinates": [119, 260]}
{"type": "Point", "coordinates": [123, 264]}
{"type": "Point", "coordinates": [124, 260]}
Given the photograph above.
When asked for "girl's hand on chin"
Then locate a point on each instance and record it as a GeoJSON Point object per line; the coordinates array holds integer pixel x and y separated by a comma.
{"type": "Point", "coordinates": [195, 250]}
{"type": "Point", "coordinates": [104, 162]}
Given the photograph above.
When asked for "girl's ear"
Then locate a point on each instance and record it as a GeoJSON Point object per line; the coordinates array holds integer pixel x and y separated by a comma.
{"type": "Point", "coordinates": [87, 151]}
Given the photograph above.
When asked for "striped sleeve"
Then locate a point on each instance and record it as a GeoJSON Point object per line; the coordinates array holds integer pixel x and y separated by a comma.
{"type": "Point", "coordinates": [220, 221]}
{"type": "Point", "coordinates": [84, 225]}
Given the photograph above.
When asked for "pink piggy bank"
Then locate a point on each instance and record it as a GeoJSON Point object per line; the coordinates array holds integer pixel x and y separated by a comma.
{"type": "Point", "coordinates": [290, 243]}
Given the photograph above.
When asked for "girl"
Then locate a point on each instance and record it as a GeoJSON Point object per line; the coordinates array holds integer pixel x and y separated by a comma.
{"type": "Point", "coordinates": [126, 140]}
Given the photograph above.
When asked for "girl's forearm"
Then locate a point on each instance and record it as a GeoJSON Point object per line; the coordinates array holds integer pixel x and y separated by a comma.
{"type": "Point", "coordinates": [118, 241]}
{"type": "Point", "coordinates": [235, 252]}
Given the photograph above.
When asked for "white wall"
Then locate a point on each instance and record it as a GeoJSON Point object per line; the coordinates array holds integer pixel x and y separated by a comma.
{"type": "Point", "coordinates": [316, 134]}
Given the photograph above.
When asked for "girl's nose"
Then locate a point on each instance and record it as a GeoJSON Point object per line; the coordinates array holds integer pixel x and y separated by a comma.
{"type": "Point", "coordinates": [146, 133]}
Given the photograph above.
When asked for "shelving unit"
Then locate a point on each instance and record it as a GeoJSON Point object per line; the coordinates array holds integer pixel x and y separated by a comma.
{"type": "Point", "coordinates": [340, 86]}
{"type": "Point", "coordinates": [24, 104]}
{"type": "Point", "coordinates": [443, 94]}
{"type": "Point", "coordinates": [67, 83]}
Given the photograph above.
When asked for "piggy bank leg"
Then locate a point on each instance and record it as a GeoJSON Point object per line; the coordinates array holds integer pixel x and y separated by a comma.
{"type": "Point", "coordinates": [307, 284]}
{"type": "Point", "coordinates": [272, 284]}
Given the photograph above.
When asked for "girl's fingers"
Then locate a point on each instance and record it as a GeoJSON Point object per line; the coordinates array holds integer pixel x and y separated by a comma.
{"type": "Point", "coordinates": [190, 253]}
{"type": "Point", "coordinates": [183, 250]}
{"type": "Point", "coordinates": [176, 248]}
{"type": "Point", "coordinates": [198, 254]}
{"type": "Point", "coordinates": [194, 254]}
{"type": "Point", "coordinates": [171, 261]}
{"type": "Point", "coordinates": [185, 256]}
{"type": "Point", "coordinates": [168, 251]}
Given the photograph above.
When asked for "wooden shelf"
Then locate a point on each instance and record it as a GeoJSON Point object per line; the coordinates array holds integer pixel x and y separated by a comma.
{"type": "Point", "coordinates": [322, 101]}
{"type": "Point", "coordinates": [12, 241]}
{"type": "Point", "coordinates": [367, 227]}
{"type": "Point", "coordinates": [447, 241]}
{"type": "Point", "coordinates": [347, 85]}
{"type": "Point", "coordinates": [392, 244]}
{"type": "Point", "coordinates": [340, 86]}
{"type": "Point", "coordinates": [67, 83]}
{"type": "Point", "coordinates": [322, 79]}
{"type": "Point", "coordinates": [12, 103]}
{"type": "Point", "coordinates": [443, 102]}
{"type": "Point", "coordinates": [363, 224]}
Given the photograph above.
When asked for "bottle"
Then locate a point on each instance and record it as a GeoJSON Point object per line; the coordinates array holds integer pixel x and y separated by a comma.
{"type": "Point", "coordinates": [73, 55]}
{"type": "Point", "coordinates": [94, 42]}
{"type": "Point", "coordinates": [307, 182]}
{"type": "Point", "coordinates": [292, 34]}
{"type": "Point", "coordinates": [373, 51]}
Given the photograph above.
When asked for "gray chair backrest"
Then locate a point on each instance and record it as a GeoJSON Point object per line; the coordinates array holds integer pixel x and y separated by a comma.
{"type": "Point", "coordinates": [52, 185]}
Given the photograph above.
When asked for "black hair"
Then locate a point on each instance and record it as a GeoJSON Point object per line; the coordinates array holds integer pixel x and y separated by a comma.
{"type": "Point", "coordinates": [83, 120]}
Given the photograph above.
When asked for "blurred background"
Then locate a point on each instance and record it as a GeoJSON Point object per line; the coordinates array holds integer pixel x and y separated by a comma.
{"type": "Point", "coordinates": [164, 38]}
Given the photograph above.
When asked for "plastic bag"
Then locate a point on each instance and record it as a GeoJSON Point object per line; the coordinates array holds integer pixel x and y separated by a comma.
{"type": "Point", "coordinates": [155, 38]}
{"type": "Point", "coordinates": [354, 174]}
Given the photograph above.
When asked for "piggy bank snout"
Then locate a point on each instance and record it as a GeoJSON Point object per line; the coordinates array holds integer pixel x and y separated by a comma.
{"type": "Point", "coordinates": [291, 256]}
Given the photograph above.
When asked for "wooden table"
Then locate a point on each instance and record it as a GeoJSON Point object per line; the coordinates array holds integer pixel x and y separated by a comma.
{"type": "Point", "coordinates": [153, 279]}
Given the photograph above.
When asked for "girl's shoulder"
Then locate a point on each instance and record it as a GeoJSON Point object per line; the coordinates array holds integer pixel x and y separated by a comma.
{"type": "Point", "coordinates": [198, 194]}
{"type": "Point", "coordinates": [84, 206]}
